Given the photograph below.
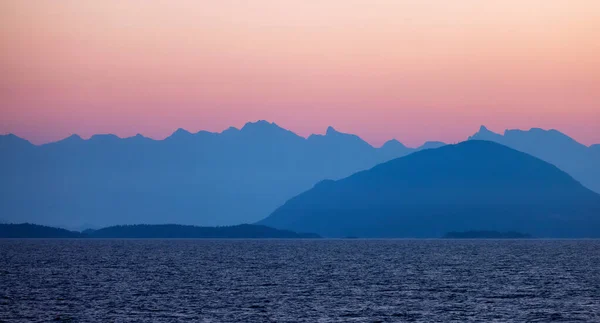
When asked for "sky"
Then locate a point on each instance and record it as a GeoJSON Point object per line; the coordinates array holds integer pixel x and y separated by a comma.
{"type": "Point", "coordinates": [414, 70]}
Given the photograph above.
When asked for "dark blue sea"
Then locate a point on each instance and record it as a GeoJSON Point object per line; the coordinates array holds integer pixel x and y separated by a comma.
{"type": "Point", "coordinates": [299, 280]}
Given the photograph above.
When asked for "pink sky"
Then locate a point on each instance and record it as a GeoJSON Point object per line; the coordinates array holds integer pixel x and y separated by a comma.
{"type": "Point", "coordinates": [413, 70]}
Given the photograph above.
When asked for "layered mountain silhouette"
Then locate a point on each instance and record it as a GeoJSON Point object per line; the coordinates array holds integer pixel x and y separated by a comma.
{"type": "Point", "coordinates": [235, 176]}
{"type": "Point", "coordinates": [579, 161]}
{"type": "Point", "coordinates": [474, 185]}
{"type": "Point", "coordinates": [205, 178]}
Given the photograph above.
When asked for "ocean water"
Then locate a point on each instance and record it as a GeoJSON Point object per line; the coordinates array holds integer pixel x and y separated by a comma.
{"type": "Point", "coordinates": [299, 280]}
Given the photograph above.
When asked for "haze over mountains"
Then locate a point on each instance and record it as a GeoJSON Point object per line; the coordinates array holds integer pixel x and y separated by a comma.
{"type": "Point", "coordinates": [235, 176]}
{"type": "Point", "coordinates": [474, 185]}
{"type": "Point", "coordinates": [580, 161]}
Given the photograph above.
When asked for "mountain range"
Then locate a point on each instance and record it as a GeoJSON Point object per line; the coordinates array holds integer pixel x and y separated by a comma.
{"type": "Point", "coordinates": [205, 178]}
{"type": "Point", "coordinates": [578, 160]}
{"type": "Point", "coordinates": [474, 185]}
{"type": "Point", "coordinates": [235, 176]}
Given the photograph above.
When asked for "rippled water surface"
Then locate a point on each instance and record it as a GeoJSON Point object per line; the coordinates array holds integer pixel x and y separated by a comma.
{"type": "Point", "coordinates": [299, 281]}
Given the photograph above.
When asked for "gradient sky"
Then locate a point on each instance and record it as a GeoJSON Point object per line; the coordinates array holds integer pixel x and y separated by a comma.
{"type": "Point", "coordinates": [413, 70]}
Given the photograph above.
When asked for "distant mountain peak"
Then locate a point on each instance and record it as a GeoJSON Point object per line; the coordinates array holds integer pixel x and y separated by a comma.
{"type": "Point", "coordinates": [393, 143]}
{"type": "Point", "coordinates": [138, 138]}
{"type": "Point", "coordinates": [263, 122]}
{"type": "Point", "coordinates": [74, 137]}
{"type": "Point", "coordinates": [265, 130]}
{"type": "Point", "coordinates": [230, 130]}
{"type": "Point", "coordinates": [260, 124]}
{"type": "Point", "coordinates": [331, 131]}
{"type": "Point", "coordinates": [484, 134]}
{"type": "Point", "coordinates": [484, 130]}
{"type": "Point", "coordinates": [12, 138]}
{"type": "Point", "coordinates": [181, 133]}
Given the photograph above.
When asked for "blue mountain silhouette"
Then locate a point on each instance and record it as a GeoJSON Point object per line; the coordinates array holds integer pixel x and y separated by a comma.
{"type": "Point", "coordinates": [235, 176]}
{"type": "Point", "coordinates": [205, 178]}
{"type": "Point", "coordinates": [474, 185]}
{"type": "Point", "coordinates": [552, 146]}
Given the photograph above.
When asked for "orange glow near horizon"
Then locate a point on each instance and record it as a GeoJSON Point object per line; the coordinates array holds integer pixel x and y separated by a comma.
{"type": "Point", "coordinates": [413, 70]}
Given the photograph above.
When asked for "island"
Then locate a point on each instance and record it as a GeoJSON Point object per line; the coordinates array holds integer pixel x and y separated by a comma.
{"type": "Point", "coordinates": [486, 235]}
{"type": "Point", "coordinates": [152, 231]}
